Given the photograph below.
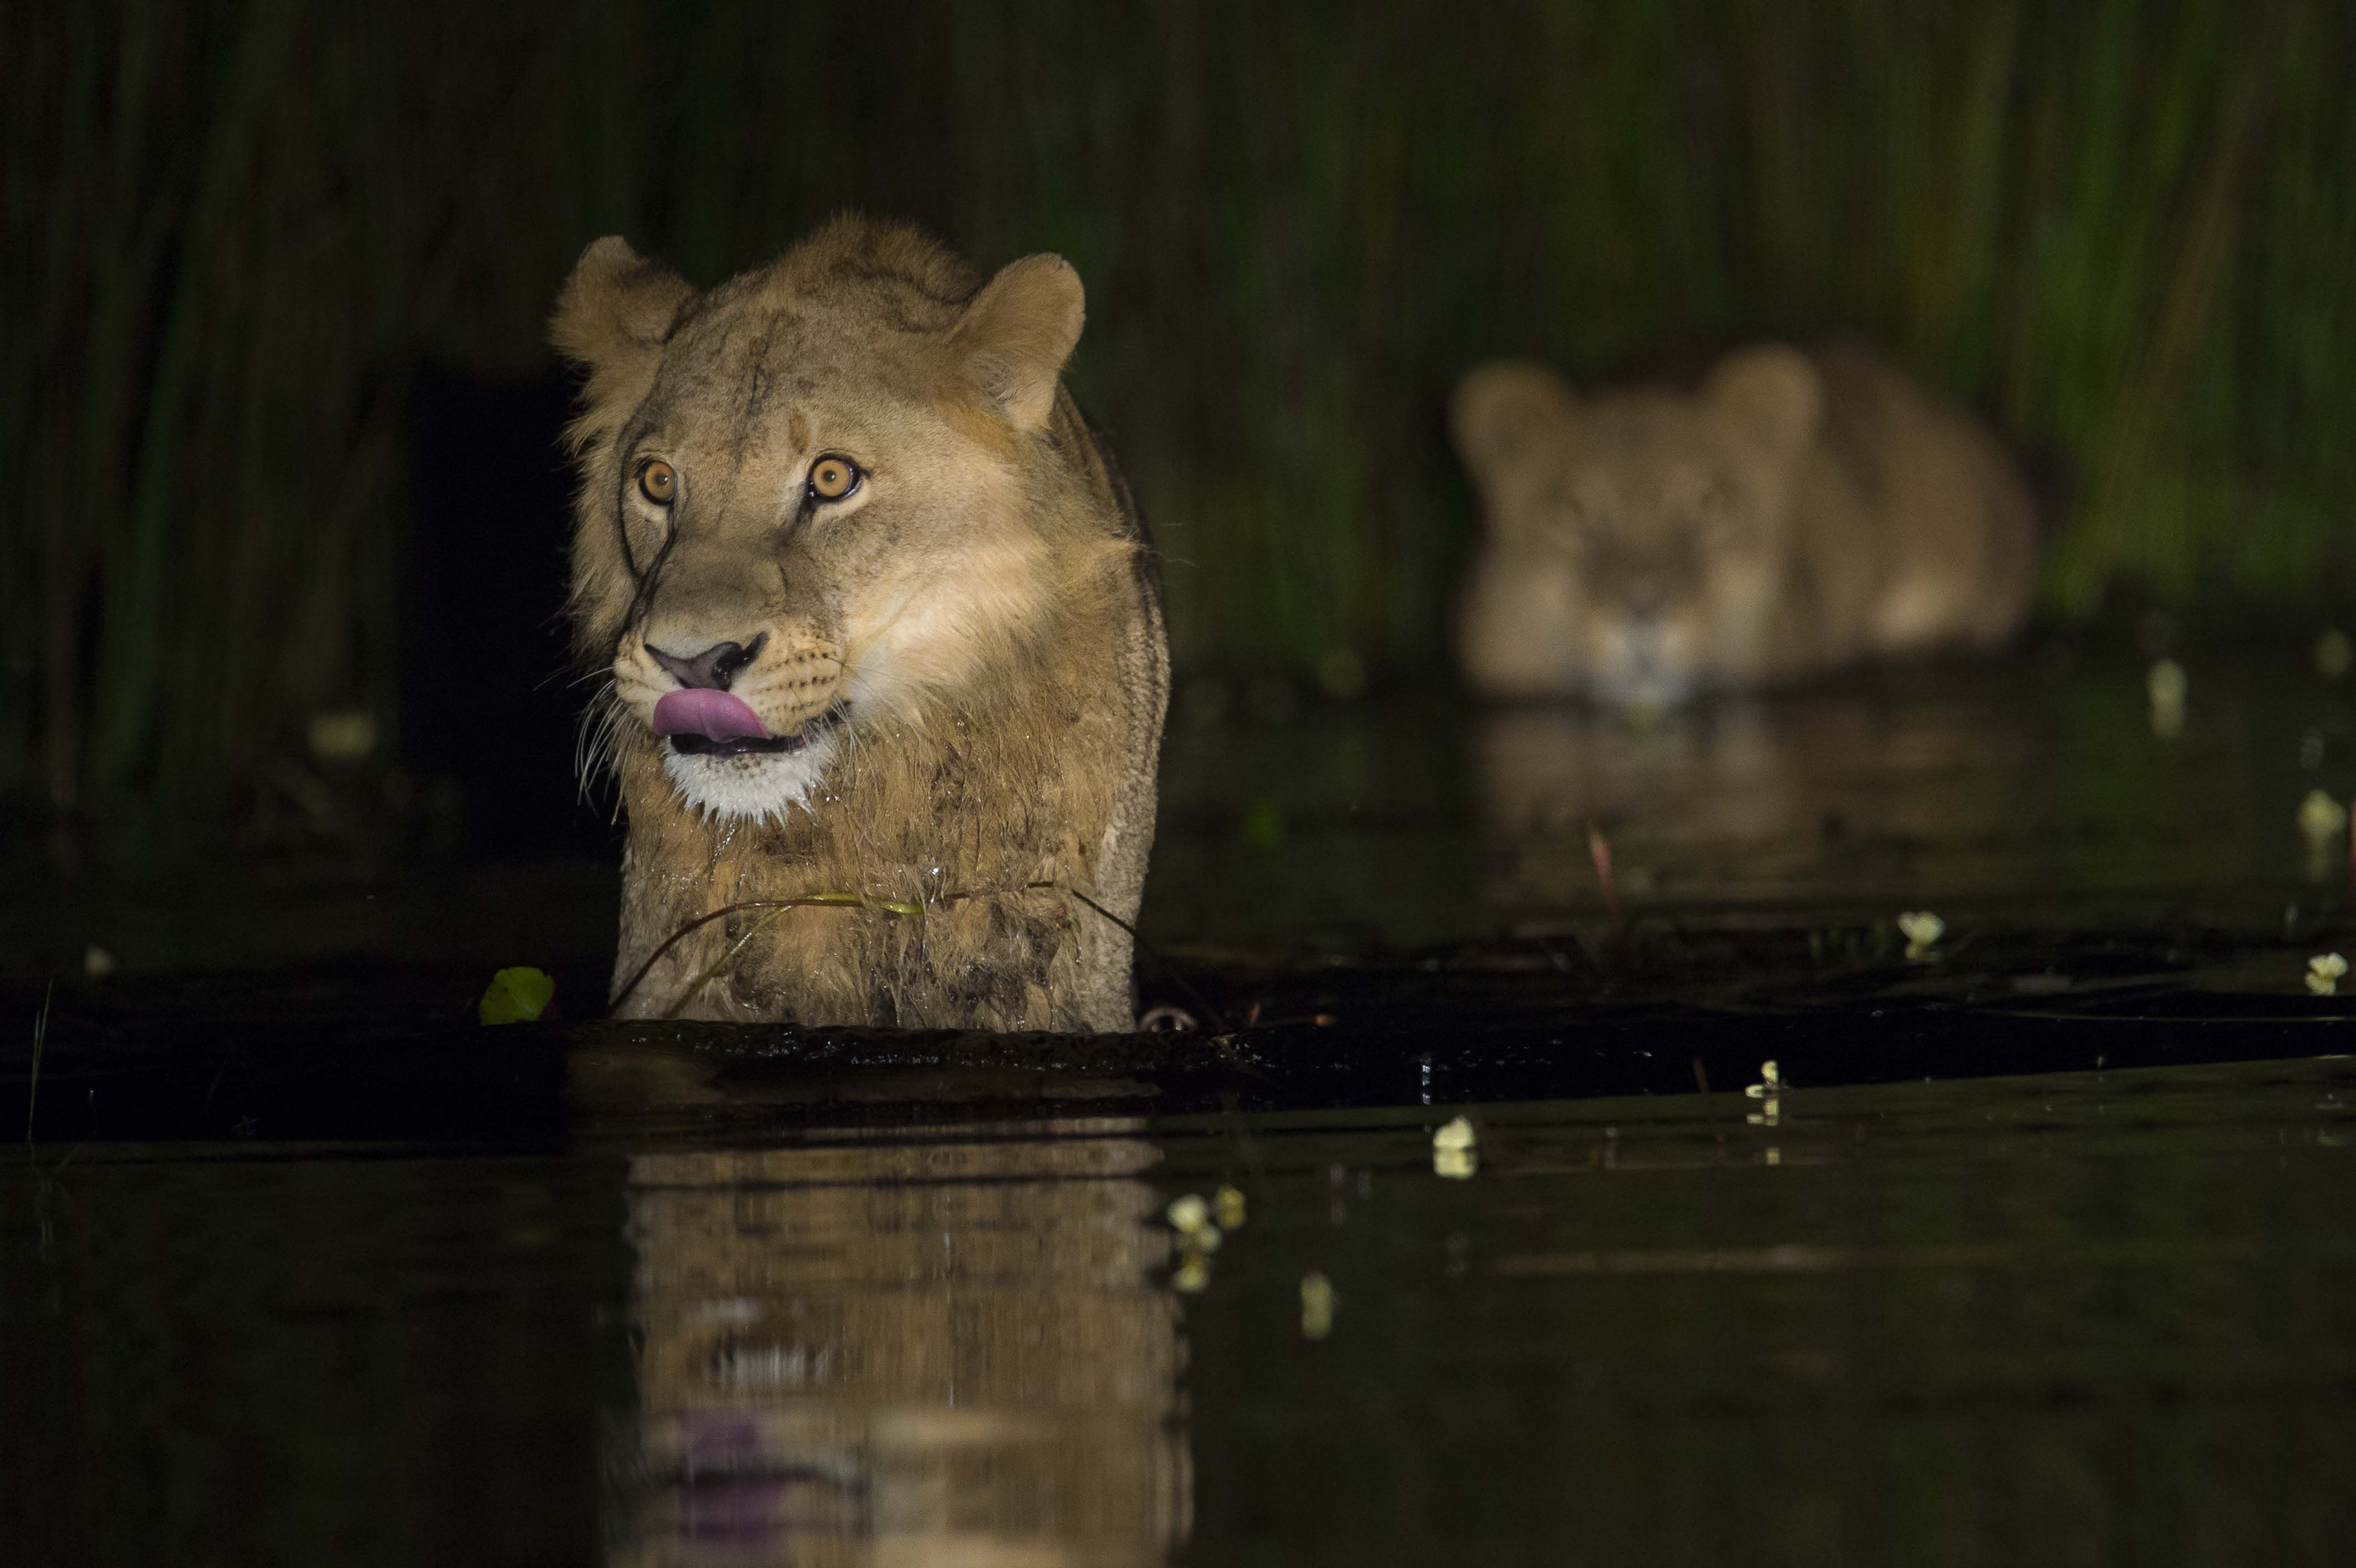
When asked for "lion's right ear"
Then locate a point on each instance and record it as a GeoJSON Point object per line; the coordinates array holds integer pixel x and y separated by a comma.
{"type": "Point", "coordinates": [1498, 412]}
{"type": "Point", "coordinates": [1770, 396]}
{"type": "Point", "coordinates": [611, 320]}
{"type": "Point", "coordinates": [1015, 336]}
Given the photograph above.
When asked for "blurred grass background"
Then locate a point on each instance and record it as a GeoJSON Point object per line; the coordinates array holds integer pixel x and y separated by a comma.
{"type": "Point", "coordinates": [238, 234]}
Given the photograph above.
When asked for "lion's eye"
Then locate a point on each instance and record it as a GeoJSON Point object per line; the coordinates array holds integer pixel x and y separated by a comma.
{"type": "Point", "coordinates": [831, 479]}
{"type": "Point", "coordinates": [657, 482]}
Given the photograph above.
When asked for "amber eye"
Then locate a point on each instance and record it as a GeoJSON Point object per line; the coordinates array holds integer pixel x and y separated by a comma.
{"type": "Point", "coordinates": [831, 479]}
{"type": "Point", "coordinates": [657, 482]}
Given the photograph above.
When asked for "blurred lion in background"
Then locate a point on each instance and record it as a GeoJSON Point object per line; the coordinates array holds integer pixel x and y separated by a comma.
{"type": "Point", "coordinates": [1793, 514]}
{"type": "Point", "coordinates": [884, 633]}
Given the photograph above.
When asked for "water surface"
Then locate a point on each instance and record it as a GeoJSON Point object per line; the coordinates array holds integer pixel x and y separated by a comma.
{"type": "Point", "coordinates": [2042, 1251]}
{"type": "Point", "coordinates": [2081, 1317]}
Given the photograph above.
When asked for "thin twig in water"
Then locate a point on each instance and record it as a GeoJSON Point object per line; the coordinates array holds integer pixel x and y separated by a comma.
{"type": "Point", "coordinates": [893, 907]}
{"type": "Point", "coordinates": [1599, 850]}
{"type": "Point", "coordinates": [720, 962]}
{"type": "Point", "coordinates": [844, 900]}
{"type": "Point", "coordinates": [1193, 996]}
{"type": "Point", "coordinates": [41, 1038]}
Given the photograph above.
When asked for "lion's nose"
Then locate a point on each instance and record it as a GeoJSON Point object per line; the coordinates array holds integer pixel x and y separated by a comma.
{"type": "Point", "coordinates": [1647, 596]}
{"type": "Point", "coordinates": [712, 669]}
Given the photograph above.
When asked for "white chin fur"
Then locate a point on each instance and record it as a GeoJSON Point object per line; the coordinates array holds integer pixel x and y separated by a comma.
{"type": "Point", "coordinates": [755, 785]}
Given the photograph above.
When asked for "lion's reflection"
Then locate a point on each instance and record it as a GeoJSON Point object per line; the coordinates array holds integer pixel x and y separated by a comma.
{"type": "Point", "coordinates": [931, 1349]}
{"type": "Point", "coordinates": [1672, 791]}
{"type": "Point", "coordinates": [1757, 798]}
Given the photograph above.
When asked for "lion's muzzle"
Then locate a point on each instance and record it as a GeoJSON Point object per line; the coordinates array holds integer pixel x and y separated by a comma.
{"type": "Point", "coordinates": [770, 693]}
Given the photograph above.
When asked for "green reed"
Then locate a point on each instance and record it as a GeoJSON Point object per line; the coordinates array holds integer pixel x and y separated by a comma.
{"type": "Point", "coordinates": [2119, 230]}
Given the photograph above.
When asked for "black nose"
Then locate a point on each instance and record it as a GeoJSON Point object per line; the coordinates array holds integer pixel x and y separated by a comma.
{"type": "Point", "coordinates": [712, 669]}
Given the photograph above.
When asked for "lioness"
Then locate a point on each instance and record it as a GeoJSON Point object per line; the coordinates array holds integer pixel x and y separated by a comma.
{"type": "Point", "coordinates": [1795, 513]}
{"type": "Point", "coordinates": [883, 632]}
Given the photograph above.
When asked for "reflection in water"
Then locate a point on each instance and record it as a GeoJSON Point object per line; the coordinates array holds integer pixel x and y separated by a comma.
{"type": "Point", "coordinates": [1546, 769]}
{"type": "Point", "coordinates": [2031, 784]}
{"type": "Point", "coordinates": [1680, 789]}
{"type": "Point", "coordinates": [936, 1350]}
{"type": "Point", "coordinates": [1974, 789]}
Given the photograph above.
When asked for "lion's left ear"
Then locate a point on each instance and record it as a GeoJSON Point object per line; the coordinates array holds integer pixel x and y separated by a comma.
{"type": "Point", "coordinates": [616, 311]}
{"type": "Point", "coordinates": [1772, 397]}
{"type": "Point", "coordinates": [1016, 334]}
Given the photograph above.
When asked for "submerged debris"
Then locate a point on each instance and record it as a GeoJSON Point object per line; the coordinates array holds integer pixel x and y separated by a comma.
{"type": "Point", "coordinates": [1922, 929]}
{"type": "Point", "coordinates": [341, 734]}
{"type": "Point", "coordinates": [517, 996]}
{"type": "Point", "coordinates": [2166, 686]}
{"type": "Point", "coordinates": [1455, 1150]}
{"type": "Point", "coordinates": [2333, 653]}
{"type": "Point", "coordinates": [2320, 818]}
{"type": "Point", "coordinates": [1317, 1304]}
{"type": "Point", "coordinates": [1227, 1208]}
{"type": "Point", "coordinates": [2323, 973]}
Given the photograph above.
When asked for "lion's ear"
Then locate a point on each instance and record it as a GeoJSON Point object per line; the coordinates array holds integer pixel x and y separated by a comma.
{"type": "Point", "coordinates": [1770, 396]}
{"type": "Point", "coordinates": [1498, 413]}
{"type": "Point", "coordinates": [1016, 334]}
{"type": "Point", "coordinates": [611, 319]}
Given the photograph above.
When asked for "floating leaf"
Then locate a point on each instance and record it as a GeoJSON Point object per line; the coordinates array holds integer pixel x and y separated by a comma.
{"type": "Point", "coordinates": [518, 996]}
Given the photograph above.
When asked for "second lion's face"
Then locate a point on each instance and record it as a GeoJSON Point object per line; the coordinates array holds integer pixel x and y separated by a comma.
{"type": "Point", "coordinates": [1636, 542]}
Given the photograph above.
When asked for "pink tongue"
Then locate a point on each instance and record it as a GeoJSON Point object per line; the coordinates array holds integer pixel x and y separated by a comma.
{"type": "Point", "coordinates": [714, 714]}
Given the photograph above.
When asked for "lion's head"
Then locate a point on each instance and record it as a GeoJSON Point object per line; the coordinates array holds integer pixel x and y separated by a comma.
{"type": "Point", "coordinates": [809, 497]}
{"type": "Point", "coordinates": [1643, 535]}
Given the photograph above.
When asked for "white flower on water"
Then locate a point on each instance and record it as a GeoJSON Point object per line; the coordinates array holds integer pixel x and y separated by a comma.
{"type": "Point", "coordinates": [2323, 972]}
{"type": "Point", "coordinates": [1922, 929]}
{"type": "Point", "coordinates": [1190, 1216]}
{"type": "Point", "coordinates": [1454, 1150]}
{"type": "Point", "coordinates": [1317, 1304]}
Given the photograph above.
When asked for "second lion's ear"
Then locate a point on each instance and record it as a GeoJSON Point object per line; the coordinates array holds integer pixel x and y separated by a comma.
{"type": "Point", "coordinates": [1016, 334]}
{"type": "Point", "coordinates": [1772, 396]}
{"type": "Point", "coordinates": [612, 318]}
{"type": "Point", "coordinates": [1498, 412]}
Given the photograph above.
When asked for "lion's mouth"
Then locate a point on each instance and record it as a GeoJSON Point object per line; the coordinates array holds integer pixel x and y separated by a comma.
{"type": "Point", "coordinates": [692, 744]}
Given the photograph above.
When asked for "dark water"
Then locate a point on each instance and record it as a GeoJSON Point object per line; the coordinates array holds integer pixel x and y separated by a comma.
{"type": "Point", "coordinates": [2074, 1319]}
{"type": "Point", "coordinates": [2046, 1254]}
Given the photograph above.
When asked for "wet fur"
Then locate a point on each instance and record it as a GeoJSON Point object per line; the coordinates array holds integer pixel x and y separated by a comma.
{"type": "Point", "coordinates": [988, 633]}
{"type": "Point", "coordinates": [1793, 513]}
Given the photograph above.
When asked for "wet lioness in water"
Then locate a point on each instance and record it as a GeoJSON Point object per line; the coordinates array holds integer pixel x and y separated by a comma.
{"type": "Point", "coordinates": [1795, 513]}
{"type": "Point", "coordinates": [882, 630]}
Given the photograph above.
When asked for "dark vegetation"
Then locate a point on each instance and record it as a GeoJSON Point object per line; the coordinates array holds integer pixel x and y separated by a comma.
{"type": "Point", "coordinates": [279, 422]}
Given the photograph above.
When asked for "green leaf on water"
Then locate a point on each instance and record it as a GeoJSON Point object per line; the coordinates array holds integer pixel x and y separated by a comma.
{"type": "Point", "coordinates": [517, 995]}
